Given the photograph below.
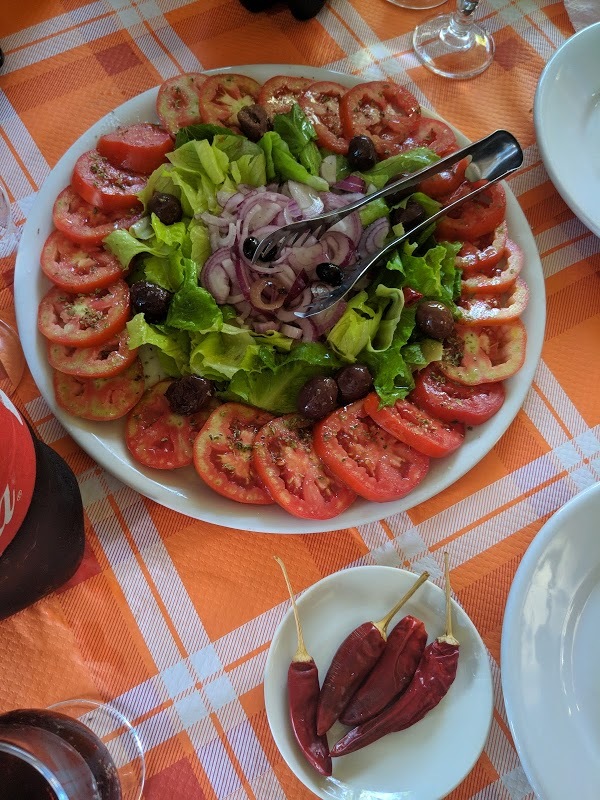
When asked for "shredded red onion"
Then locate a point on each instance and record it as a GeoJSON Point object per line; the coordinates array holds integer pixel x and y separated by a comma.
{"type": "Point", "coordinates": [309, 201]}
{"type": "Point", "coordinates": [219, 275]}
{"type": "Point", "coordinates": [325, 321]}
{"type": "Point", "coordinates": [339, 249]}
{"type": "Point", "coordinates": [297, 287]}
{"type": "Point", "coordinates": [353, 183]}
{"type": "Point", "coordinates": [373, 237]}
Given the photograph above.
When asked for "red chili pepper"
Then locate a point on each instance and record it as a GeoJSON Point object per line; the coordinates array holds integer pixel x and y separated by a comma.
{"type": "Point", "coordinates": [303, 696]}
{"type": "Point", "coordinates": [354, 659]}
{"type": "Point", "coordinates": [391, 674]}
{"type": "Point", "coordinates": [434, 676]}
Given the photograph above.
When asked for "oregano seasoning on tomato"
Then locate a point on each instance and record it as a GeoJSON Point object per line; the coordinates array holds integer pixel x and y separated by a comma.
{"type": "Point", "coordinates": [303, 696]}
{"type": "Point", "coordinates": [432, 679]}
{"type": "Point", "coordinates": [352, 662]}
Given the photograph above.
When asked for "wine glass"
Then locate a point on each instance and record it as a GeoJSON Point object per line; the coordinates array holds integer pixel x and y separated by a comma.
{"type": "Point", "coordinates": [72, 750]}
{"type": "Point", "coordinates": [9, 236]}
{"type": "Point", "coordinates": [452, 45]}
{"type": "Point", "coordinates": [417, 5]}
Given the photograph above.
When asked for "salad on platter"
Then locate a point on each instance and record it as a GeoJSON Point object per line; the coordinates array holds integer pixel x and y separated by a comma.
{"type": "Point", "coordinates": [159, 315]}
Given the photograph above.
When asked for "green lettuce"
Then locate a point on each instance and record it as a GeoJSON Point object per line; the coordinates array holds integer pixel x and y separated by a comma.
{"type": "Point", "coordinates": [174, 345]}
{"type": "Point", "coordinates": [125, 246]}
{"type": "Point", "coordinates": [407, 162]}
{"type": "Point", "coordinates": [204, 130]}
{"type": "Point", "coordinates": [192, 308]}
{"type": "Point", "coordinates": [372, 211]}
{"type": "Point", "coordinates": [281, 164]}
{"type": "Point", "coordinates": [298, 132]}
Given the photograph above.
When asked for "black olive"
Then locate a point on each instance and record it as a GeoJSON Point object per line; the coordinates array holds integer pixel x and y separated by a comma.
{"type": "Point", "coordinates": [330, 273]}
{"type": "Point", "coordinates": [189, 394]}
{"type": "Point", "coordinates": [257, 5]}
{"type": "Point", "coordinates": [434, 319]}
{"type": "Point", "coordinates": [410, 217]}
{"type": "Point", "coordinates": [398, 197]}
{"type": "Point", "coordinates": [166, 207]}
{"type": "Point", "coordinates": [151, 300]}
{"type": "Point", "coordinates": [1, 58]}
{"type": "Point", "coordinates": [354, 381]}
{"type": "Point", "coordinates": [361, 153]}
{"type": "Point", "coordinates": [254, 121]}
{"type": "Point", "coordinates": [249, 246]}
{"type": "Point", "coordinates": [317, 398]}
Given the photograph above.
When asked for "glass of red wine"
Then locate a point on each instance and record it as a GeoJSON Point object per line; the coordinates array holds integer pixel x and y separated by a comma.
{"type": "Point", "coordinates": [74, 750]}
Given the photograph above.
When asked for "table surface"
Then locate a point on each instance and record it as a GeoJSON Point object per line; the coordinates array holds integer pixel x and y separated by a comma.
{"type": "Point", "coordinates": [170, 618]}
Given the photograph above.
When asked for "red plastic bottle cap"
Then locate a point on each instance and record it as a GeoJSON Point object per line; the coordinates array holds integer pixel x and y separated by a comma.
{"type": "Point", "coordinates": [17, 470]}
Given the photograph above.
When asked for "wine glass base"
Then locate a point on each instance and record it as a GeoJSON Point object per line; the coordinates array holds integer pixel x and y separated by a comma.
{"type": "Point", "coordinates": [119, 737]}
{"type": "Point", "coordinates": [417, 5]}
{"type": "Point", "coordinates": [453, 51]}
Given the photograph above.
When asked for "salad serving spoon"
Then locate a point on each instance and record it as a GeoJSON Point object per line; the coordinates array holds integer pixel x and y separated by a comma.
{"type": "Point", "coordinates": [491, 159]}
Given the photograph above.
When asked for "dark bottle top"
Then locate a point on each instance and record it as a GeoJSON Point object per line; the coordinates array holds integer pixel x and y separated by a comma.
{"type": "Point", "coordinates": [42, 534]}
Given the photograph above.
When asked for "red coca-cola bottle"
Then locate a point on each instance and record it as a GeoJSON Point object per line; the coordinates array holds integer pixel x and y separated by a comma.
{"type": "Point", "coordinates": [41, 515]}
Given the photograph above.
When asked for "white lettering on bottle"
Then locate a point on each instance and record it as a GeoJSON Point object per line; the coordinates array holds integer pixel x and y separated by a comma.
{"type": "Point", "coordinates": [7, 508]}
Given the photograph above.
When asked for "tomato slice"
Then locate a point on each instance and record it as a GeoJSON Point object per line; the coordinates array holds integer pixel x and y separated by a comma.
{"type": "Point", "coordinates": [321, 104]}
{"type": "Point", "coordinates": [104, 186]}
{"type": "Point", "coordinates": [100, 399]}
{"type": "Point", "coordinates": [496, 308]}
{"type": "Point", "coordinates": [476, 217]}
{"type": "Point", "coordinates": [454, 402]}
{"type": "Point", "coordinates": [222, 96]}
{"type": "Point", "coordinates": [445, 182]}
{"type": "Point", "coordinates": [434, 134]}
{"type": "Point", "coordinates": [102, 361]}
{"type": "Point", "coordinates": [223, 453]}
{"type": "Point", "coordinates": [483, 254]}
{"type": "Point", "coordinates": [413, 426]}
{"type": "Point", "coordinates": [76, 268]}
{"type": "Point", "coordinates": [158, 437]}
{"type": "Point", "coordinates": [178, 101]}
{"type": "Point", "coordinates": [295, 476]}
{"type": "Point", "coordinates": [499, 278]}
{"type": "Point", "coordinates": [373, 463]}
{"type": "Point", "coordinates": [279, 93]}
{"type": "Point", "coordinates": [84, 320]}
{"type": "Point", "coordinates": [484, 354]}
{"type": "Point", "coordinates": [386, 112]}
{"type": "Point", "coordinates": [87, 224]}
{"type": "Point", "coordinates": [138, 148]}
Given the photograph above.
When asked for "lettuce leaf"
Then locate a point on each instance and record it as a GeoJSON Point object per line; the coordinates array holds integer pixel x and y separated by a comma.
{"type": "Point", "coordinates": [192, 307]}
{"type": "Point", "coordinates": [125, 246]}
{"type": "Point", "coordinates": [204, 130]}
{"type": "Point", "coordinates": [174, 345]}
{"type": "Point", "coordinates": [281, 164]}
{"type": "Point", "coordinates": [409, 161]}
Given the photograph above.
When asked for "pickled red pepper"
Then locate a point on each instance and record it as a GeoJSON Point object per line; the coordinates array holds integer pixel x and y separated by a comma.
{"type": "Point", "coordinates": [303, 696]}
{"type": "Point", "coordinates": [431, 681]}
{"type": "Point", "coordinates": [354, 659]}
{"type": "Point", "coordinates": [391, 674]}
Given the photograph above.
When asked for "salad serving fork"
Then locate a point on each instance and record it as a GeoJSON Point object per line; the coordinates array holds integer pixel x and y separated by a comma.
{"type": "Point", "coordinates": [492, 159]}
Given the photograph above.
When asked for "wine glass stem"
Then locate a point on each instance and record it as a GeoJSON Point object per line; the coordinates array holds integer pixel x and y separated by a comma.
{"type": "Point", "coordinates": [459, 33]}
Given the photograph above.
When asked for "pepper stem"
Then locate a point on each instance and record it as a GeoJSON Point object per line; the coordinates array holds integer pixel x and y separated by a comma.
{"type": "Point", "coordinates": [448, 637]}
{"type": "Point", "coordinates": [301, 653]}
{"type": "Point", "coordinates": [383, 623]}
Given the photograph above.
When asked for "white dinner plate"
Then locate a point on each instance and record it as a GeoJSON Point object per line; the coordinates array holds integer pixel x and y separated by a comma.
{"type": "Point", "coordinates": [181, 489]}
{"type": "Point", "coordinates": [551, 652]}
{"type": "Point", "coordinates": [424, 762]}
{"type": "Point", "coordinates": [566, 113]}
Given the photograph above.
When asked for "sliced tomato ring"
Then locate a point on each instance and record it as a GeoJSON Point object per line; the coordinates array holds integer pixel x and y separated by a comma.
{"type": "Point", "coordinates": [87, 224]}
{"type": "Point", "coordinates": [483, 254]}
{"type": "Point", "coordinates": [485, 354]}
{"type": "Point", "coordinates": [76, 268]}
{"type": "Point", "coordinates": [100, 399]}
{"type": "Point", "coordinates": [372, 462]}
{"type": "Point", "coordinates": [223, 95]}
{"type": "Point", "coordinates": [141, 147]}
{"type": "Point", "coordinates": [102, 361]}
{"type": "Point", "coordinates": [455, 402]}
{"type": "Point", "coordinates": [321, 104]}
{"type": "Point", "coordinates": [413, 426]}
{"type": "Point", "coordinates": [104, 186]}
{"type": "Point", "coordinates": [499, 278]}
{"type": "Point", "coordinates": [494, 309]}
{"type": "Point", "coordinates": [84, 320]}
{"type": "Point", "coordinates": [474, 218]}
{"type": "Point", "coordinates": [382, 110]}
{"type": "Point", "coordinates": [445, 182]}
{"type": "Point", "coordinates": [178, 101]}
{"type": "Point", "coordinates": [433, 134]}
{"type": "Point", "coordinates": [294, 475]}
{"type": "Point", "coordinates": [279, 93]}
{"type": "Point", "coordinates": [158, 437]}
{"type": "Point", "coordinates": [223, 453]}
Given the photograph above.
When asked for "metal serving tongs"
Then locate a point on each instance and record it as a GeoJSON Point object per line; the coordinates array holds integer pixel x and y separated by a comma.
{"type": "Point", "coordinates": [491, 159]}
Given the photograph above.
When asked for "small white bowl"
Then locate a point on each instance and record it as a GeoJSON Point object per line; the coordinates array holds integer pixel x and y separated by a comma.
{"type": "Point", "coordinates": [566, 113]}
{"type": "Point", "coordinates": [424, 762]}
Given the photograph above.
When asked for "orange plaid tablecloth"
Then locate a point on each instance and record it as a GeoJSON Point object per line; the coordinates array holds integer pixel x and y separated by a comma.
{"type": "Point", "coordinates": [171, 618]}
